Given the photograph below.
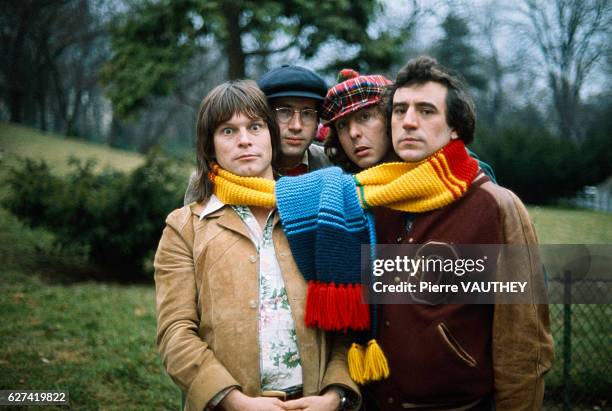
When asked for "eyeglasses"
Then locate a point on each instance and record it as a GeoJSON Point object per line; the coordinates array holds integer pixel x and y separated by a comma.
{"type": "Point", "coordinates": [285, 114]}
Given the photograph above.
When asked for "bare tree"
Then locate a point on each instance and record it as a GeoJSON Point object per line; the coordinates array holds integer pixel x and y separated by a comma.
{"type": "Point", "coordinates": [49, 57]}
{"type": "Point", "coordinates": [490, 30]}
{"type": "Point", "coordinates": [571, 37]}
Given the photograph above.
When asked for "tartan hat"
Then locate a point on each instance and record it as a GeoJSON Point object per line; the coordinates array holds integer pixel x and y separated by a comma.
{"type": "Point", "coordinates": [292, 81]}
{"type": "Point", "coordinates": [352, 94]}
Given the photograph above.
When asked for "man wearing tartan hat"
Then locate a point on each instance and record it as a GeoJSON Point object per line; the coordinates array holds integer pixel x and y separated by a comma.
{"type": "Point", "coordinates": [352, 94]}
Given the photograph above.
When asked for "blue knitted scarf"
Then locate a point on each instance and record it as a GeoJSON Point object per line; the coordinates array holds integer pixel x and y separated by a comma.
{"type": "Point", "coordinates": [326, 226]}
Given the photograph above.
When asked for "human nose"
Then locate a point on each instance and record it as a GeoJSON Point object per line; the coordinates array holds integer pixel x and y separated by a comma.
{"type": "Point", "coordinates": [244, 138]}
{"type": "Point", "coordinates": [295, 122]}
{"type": "Point", "coordinates": [354, 129]}
{"type": "Point", "coordinates": [410, 119]}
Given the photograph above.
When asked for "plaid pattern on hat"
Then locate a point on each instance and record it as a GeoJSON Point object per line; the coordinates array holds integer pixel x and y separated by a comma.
{"type": "Point", "coordinates": [351, 95]}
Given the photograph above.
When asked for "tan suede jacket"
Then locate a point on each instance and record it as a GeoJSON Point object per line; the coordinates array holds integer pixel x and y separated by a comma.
{"type": "Point", "coordinates": [207, 291]}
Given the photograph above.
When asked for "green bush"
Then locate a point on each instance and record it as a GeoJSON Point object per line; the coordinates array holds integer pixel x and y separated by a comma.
{"type": "Point", "coordinates": [116, 218]}
{"type": "Point", "coordinates": [540, 167]}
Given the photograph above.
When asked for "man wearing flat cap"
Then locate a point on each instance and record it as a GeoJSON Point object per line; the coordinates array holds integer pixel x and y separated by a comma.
{"type": "Point", "coordinates": [295, 94]}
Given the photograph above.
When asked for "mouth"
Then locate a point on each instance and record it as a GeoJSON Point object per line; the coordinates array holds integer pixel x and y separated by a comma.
{"type": "Point", "coordinates": [409, 140]}
{"type": "Point", "coordinates": [293, 141]}
{"type": "Point", "coordinates": [362, 151]}
{"type": "Point", "coordinates": [246, 157]}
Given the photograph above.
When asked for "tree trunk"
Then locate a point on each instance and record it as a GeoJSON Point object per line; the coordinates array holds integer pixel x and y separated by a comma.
{"type": "Point", "coordinates": [16, 71]}
{"type": "Point", "coordinates": [156, 136]}
{"type": "Point", "coordinates": [116, 131]}
{"type": "Point", "coordinates": [72, 117]}
{"type": "Point", "coordinates": [233, 41]}
{"type": "Point", "coordinates": [16, 104]}
{"type": "Point", "coordinates": [42, 112]}
{"type": "Point", "coordinates": [498, 92]}
{"type": "Point", "coordinates": [566, 107]}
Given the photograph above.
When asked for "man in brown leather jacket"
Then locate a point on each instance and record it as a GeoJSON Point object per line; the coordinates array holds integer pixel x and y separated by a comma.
{"type": "Point", "coordinates": [459, 356]}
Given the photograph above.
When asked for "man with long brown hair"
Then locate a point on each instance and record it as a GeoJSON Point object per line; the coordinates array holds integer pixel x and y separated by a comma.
{"type": "Point", "coordinates": [230, 299]}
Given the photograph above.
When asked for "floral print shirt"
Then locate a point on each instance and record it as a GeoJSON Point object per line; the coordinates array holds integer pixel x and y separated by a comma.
{"type": "Point", "coordinates": [280, 362]}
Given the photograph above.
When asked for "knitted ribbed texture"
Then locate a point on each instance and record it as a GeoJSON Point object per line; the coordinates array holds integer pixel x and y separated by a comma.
{"type": "Point", "coordinates": [412, 187]}
{"type": "Point", "coordinates": [418, 187]}
{"type": "Point", "coordinates": [299, 215]}
{"type": "Point", "coordinates": [341, 227]}
{"type": "Point", "coordinates": [236, 190]}
{"type": "Point", "coordinates": [326, 226]}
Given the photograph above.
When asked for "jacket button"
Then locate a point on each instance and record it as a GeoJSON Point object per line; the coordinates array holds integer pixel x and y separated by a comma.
{"type": "Point", "coordinates": [410, 240]}
{"type": "Point", "coordinates": [252, 258]}
{"type": "Point", "coordinates": [399, 239]}
{"type": "Point", "coordinates": [252, 304]}
{"type": "Point", "coordinates": [397, 279]}
{"type": "Point", "coordinates": [387, 323]}
{"type": "Point", "coordinates": [390, 400]}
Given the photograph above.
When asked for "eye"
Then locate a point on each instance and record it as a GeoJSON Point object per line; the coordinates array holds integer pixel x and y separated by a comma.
{"type": "Point", "coordinates": [284, 113]}
{"type": "Point", "coordinates": [255, 127]}
{"type": "Point", "coordinates": [227, 131]}
{"type": "Point", "coordinates": [399, 110]}
{"type": "Point", "coordinates": [308, 114]}
{"type": "Point", "coordinates": [341, 124]}
{"type": "Point", "coordinates": [427, 110]}
{"type": "Point", "coordinates": [365, 115]}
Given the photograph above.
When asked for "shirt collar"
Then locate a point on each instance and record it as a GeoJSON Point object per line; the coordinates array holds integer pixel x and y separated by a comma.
{"type": "Point", "coordinates": [213, 204]}
{"type": "Point", "coordinates": [305, 157]}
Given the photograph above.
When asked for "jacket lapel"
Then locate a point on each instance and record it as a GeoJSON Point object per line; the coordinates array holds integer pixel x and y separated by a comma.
{"type": "Point", "coordinates": [230, 220]}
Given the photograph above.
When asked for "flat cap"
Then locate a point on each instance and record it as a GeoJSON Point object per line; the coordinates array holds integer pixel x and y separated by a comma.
{"type": "Point", "coordinates": [293, 81]}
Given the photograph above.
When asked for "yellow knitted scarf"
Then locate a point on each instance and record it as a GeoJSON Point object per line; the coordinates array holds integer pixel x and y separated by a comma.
{"type": "Point", "coordinates": [237, 190]}
{"type": "Point", "coordinates": [427, 185]}
{"type": "Point", "coordinates": [414, 187]}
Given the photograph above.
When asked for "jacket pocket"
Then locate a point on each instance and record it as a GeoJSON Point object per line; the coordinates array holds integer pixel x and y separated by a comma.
{"type": "Point", "coordinates": [454, 345]}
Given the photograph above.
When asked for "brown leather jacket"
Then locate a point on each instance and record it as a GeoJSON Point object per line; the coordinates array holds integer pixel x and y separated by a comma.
{"type": "Point", "coordinates": [457, 354]}
{"type": "Point", "coordinates": [207, 319]}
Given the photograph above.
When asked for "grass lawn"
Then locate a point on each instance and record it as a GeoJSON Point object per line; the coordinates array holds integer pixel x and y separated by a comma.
{"type": "Point", "coordinates": [591, 351]}
{"type": "Point", "coordinates": [571, 226]}
{"type": "Point", "coordinates": [16, 140]}
{"type": "Point", "coordinates": [95, 340]}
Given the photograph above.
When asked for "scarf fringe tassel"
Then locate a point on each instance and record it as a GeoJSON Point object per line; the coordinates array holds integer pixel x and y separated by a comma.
{"type": "Point", "coordinates": [367, 365]}
{"type": "Point", "coordinates": [334, 307]}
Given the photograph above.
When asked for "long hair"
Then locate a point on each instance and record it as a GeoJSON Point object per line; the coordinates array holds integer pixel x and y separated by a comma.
{"type": "Point", "coordinates": [220, 105]}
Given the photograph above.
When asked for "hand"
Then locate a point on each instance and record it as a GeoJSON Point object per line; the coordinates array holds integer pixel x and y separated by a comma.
{"type": "Point", "coordinates": [237, 401]}
{"type": "Point", "coordinates": [330, 401]}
